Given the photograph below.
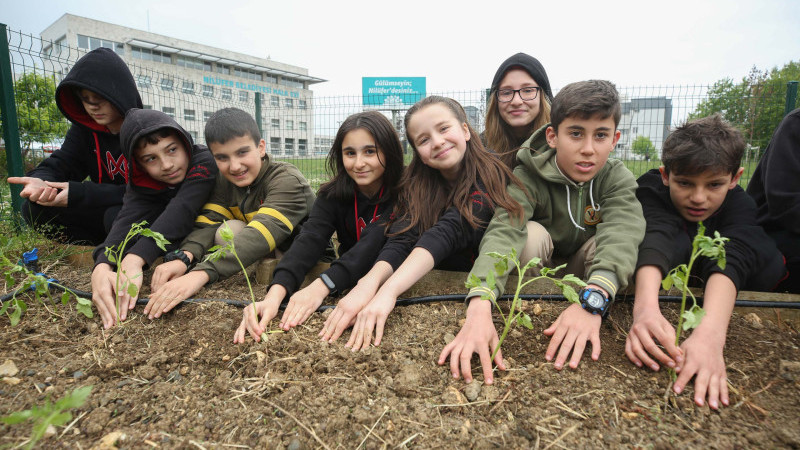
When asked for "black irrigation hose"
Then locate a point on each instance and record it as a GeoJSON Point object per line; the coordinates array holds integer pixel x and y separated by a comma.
{"type": "Point", "coordinates": [443, 298]}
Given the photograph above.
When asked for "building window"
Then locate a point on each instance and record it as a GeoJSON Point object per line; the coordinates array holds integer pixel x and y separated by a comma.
{"type": "Point", "coordinates": [275, 145]}
{"type": "Point", "coordinates": [91, 43]}
{"type": "Point", "coordinates": [302, 104]}
{"type": "Point", "coordinates": [290, 124]}
{"type": "Point", "coordinates": [167, 83]}
{"type": "Point", "coordinates": [245, 73]}
{"type": "Point", "coordinates": [57, 48]}
{"type": "Point", "coordinates": [274, 101]}
{"type": "Point", "coordinates": [223, 69]}
{"type": "Point", "coordinates": [302, 147]}
{"type": "Point", "coordinates": [288, 145]}
{"type": "Point", "coordinates": [193, 134]}
{"type": "Point", "coordinates": [188, 114]}
{"type": "Point", "coordinates": [144, 81]}
{"type": "Point", "coordinates": [303, 126]}
{"type": "Point", "coordinates": [276, 123]}
{"type": "Point", "coordinates": [168, 111]}
{"type": "Point", "coordinates": [289, 103]}
{"type": "Point", "coordinates": [244, 96]}
{"type": "Point", "coordinates": [187, 87]}
{"type": "Point", "coordinates": [147, 54]}
{"type": "Point", "coordinates": [207, 66]}
{"type": "Point", "coordinates": [147, 106]}
{"type": "Point", "coordinates": [291, 82]}
{"type": "Point", "coordinates": [207, 115]}
{"type": "Point", "coordinates": [189, 62]}
{"type": "Point", "coordinates": [208, 90]}
{"type": "Point", "coordinates": [227, 94]}
{"type": "Point", "coordinates": [271, 79]}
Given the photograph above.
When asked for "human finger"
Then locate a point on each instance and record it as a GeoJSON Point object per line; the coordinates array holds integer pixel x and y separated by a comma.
{"type": "Point", "coordinates": [346, 320]}
{"type": "Point", "coordinates": [238, 335]}
{"type": "Point", "coordinates": [464, 360]}
{"type": "Point", "coordinates": [498, 358]}
{"type": "Point", "coordinates": [354, 335]}
{"type": "Point", "coordinates": [577, 352]}
{"type": "Point", "coordinates": [556, 336]}
{"type": "Point", "coordinates": [486, 364]}
{"type": "Point", "coordinates": [629, 350]}
{"type": "Point", "coordinates": [701, 382]}
{"type": "Point", "coordinates": [566, 348]}
{"type": "Point", "coordinates": [723, 390]}
{"type": "Point", "coordinates": [380, 321]}
{"type": "Point", "coordinates": [713, 392]}
{"type": "Point", "coordinates": [683, 377]}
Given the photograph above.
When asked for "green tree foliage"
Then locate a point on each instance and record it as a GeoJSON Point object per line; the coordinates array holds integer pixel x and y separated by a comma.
{"type": "Point", "coordinates": [643, 146]}
{"type": "Point", "coordinates": [755, 104]}
{"type": "Point", "coordinates": [38, 116]}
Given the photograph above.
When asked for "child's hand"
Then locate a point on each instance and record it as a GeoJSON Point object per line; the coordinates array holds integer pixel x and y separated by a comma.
{"type": "Point", "coordinates": [165, 272]}
{"type": "Point", "coordinates": [573, 328]}
{"type": "Point", "coordinates": [303, 303]}
{"type": "Point", "coordinates": [372, 317]}
{"type": "Point", "coordinates": [131, 274]}
{"type": "Point", "coordinates": [703, 350]}
{"type": "Point", "coordinates": [103, 279]}
{"type": "Point", "coordinates": [640, 345]}
{"type": "Point", "coordinates": [266, 309]}
{"type": "Point", "coordinates": [344, 315]}
{"type": "Point", "coordinates": [174, 292]}
{"type": "Point", "coordinates": [478, 335]}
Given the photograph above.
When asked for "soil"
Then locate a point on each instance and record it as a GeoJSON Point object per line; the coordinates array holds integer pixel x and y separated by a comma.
{"type": "Point", "coordinates": [179, 382]}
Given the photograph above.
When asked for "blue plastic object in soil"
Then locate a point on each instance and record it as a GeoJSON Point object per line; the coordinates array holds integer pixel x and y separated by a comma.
{"type": "Point", "coordinates": [31, 260]}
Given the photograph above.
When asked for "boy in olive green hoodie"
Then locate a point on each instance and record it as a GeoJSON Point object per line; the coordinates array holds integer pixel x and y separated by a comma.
{"type": "Point", "coordinates": [582, 210]}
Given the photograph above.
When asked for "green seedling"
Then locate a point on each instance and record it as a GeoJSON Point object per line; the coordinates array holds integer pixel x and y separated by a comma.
{"type": "Point", "coordinates": [218, 251]}
{"type": "Point", "coordinates": [56, 414]}
{"type": "Point", "coordinates": [702, 245]}
{"type": "Point", "coordinates": [515, 315]}
{"type": "Point", "coordinates": [40, 285]}
{"type": "Point", "coordinates": [116, 253]}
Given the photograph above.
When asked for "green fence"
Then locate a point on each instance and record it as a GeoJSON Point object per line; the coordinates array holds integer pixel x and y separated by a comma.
{"type": "Point", "coordinates": [300, 127]}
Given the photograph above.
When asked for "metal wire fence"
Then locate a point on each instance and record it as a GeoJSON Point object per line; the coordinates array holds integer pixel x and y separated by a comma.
{"type": "Point", "coordinates": [300, 128]}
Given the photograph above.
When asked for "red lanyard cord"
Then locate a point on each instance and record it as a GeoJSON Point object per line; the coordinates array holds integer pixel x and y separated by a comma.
{"type": "Point", "coordinates": [374, 213]}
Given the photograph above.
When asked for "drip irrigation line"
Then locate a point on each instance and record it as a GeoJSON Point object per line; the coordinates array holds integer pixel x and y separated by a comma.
{"type": "Point", "coordinates": [444, 298]}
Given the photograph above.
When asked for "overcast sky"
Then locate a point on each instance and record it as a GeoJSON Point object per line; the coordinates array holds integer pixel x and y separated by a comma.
{"type": "Point", "coordinates": [458, 45]}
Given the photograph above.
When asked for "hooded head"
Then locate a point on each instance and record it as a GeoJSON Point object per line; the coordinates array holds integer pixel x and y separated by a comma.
{"type": "Point", "coordinates": [138, 125]}
{"type": "Point", "coordinates": [528, 64]}
{"type": "Point", "coordinates": [104, 73]}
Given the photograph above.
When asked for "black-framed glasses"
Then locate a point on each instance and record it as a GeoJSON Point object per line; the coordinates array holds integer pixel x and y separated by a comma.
{"type": "Point", "coordinates": [526, 93]}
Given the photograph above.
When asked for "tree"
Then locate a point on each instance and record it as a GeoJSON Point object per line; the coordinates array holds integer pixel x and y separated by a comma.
{"type": "Point", "coordinates": [755, 104]}
{"type": "Point", "coordinates": [643, 146]}
{"type": "Point", "coordinates": [37, 113]}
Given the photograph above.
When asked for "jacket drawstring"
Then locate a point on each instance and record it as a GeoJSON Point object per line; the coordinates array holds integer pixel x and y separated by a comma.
{"type": "Point", "coordinates": [591, 202]}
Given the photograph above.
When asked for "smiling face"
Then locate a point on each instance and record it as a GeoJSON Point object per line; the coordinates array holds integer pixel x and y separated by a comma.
{"type": "Point", "coordinates": [440, 139]}
{"type": "Point", "coordinates": [583, 145]}
{"type": "Point", "coordinates": [518, 113]}
{"type": "Point", "coordinates": [698, 197]}
{"type": "Point", "coordinates": [239, 159]}
{"type": "Point", "coordinates": [363, 160]}
{"type": "Point", "coordinates": [166, 161]}
{"type": "Point", "coordinates": [101, 110]}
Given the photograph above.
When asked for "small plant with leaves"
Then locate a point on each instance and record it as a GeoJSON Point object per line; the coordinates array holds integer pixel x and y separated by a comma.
{"type": "Point", "coordinates": [515, 314]}
{"type": "Point", "coordinates": [39, 284]}
{"type": "Point", "coordinates": [55, 414]}
{"type": "Point", "coordinates": [702, 245]}
{"type": "Point", "coordinates": [116, 253]}
{"type": "Point", "coordinates": [218, 251]}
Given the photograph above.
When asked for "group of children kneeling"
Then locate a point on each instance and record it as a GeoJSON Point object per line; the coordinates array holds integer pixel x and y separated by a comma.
{"type": "Point", "coordinates": [558, 197]}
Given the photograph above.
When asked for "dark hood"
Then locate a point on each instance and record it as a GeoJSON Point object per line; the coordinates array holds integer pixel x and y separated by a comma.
{"type": "Point", "coordinates": [141, 122]}
{"type": "Point", "coordinates": [101, 71]}
{"type": "Point", "coordinates": [528, 64]}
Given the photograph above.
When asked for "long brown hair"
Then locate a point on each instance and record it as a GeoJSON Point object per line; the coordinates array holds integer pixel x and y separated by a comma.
{"type": "Point", "coordinates": [500, 137]}
{"type": "Point", "coordinates": [425, 194]}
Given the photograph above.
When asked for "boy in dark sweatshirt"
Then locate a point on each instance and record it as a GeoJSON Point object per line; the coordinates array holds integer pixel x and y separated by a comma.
{"type": "Point", "coordinates": [94, 96]}
{"type": "Point", "coordinates": [170, 179]}
{"type": "Point", "coordinates": [264, 202]}
{"type": "Point", "coordinates": [698, 182]}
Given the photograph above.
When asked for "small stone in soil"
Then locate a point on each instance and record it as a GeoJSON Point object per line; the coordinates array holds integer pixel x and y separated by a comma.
{"type": "Point", "coordinates": [448, 338]}
{"type": "Point", "coordinates": [29, 373]}
{"type": "Point", "coordinates": [8, 369]}
{"type": "Point", "coordinates": [174, 376]}
{"type": "Point", "coordinates": [473, 390]}
{"type": "Point", "coordinates": [77, 374]}
{"type": "Point", "coordinates": [295, 444]}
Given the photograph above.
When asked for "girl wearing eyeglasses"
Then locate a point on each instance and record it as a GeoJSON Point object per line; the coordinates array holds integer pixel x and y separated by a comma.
{"type": "Point", "coordinates": [519, 105]}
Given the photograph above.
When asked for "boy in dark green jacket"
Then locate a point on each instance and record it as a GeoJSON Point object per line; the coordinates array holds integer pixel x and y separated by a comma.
{"type": "Point", "coordinates": [582, 210]}
{"type": "Point", "coordinates": [267, 199]}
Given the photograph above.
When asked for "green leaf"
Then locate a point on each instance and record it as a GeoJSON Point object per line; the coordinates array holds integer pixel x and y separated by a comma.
{"type": "Point", "coordinates": [226, 233]}
{"type": "Point", "coordinates": [75, 399]}
{"type": "Point", "coordinates": [472, 281]}
{"type": "Point", "coordinates": [84, 307]}
{"type": "Point", "coordinates": [525, 321]}
{"type": "Point", "coordinates": [666, 283]}
{"type": "Point", "coordinates": [159, 238]}
{"type": "Point", "coordinates": [4, 307]}
{"type": "Point", "coordinates": [60, 419]}
{"type": "Point", "coordinates": [535, 261]}
{"type": "Point", "coordinates": [496, 255]}
{"type": "Point", "coordinates": [64, 298]}
{"type": "Point", "coordinates": [111, 257]}
{"type": "Point", "coordinates": [133, 291]}
{"type": "Point", "coordinates": [15, 315]}
{"type": "Point", "coordinates": [692, 317]}
{"type": "Point", "coordinates": [570, 293]}
{"type": "Point", "coordinates": [490, 281]}
{"type": "Point", "coordinates": [501, 267]}
{"type": "Point", "coordinates": [17, 417]}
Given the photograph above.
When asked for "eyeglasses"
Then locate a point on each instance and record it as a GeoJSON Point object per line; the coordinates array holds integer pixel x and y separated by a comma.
{"type": "Point", "coordinates": [526, 93]}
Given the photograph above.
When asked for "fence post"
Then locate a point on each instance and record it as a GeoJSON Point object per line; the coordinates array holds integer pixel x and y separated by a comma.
{"type": "Point", "coordinates": [8, 115]}
{"type": "Point", "coordinates": [258, 115]}
{"type": "Point", "coordinates": [791, 95]}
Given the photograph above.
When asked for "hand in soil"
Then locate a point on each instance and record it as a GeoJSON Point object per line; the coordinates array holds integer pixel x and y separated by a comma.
{"type": "Point", "coordinates": [648, 327]}
{"type": "Point", "coordinates": [372, 317]}
{"type": "Point", "coordinates": [103, 280]}
{"type": "Point", "coordinates": [704, 360]}
{"type": "Point", "coordinates": [303, 303]}
{"type": "Point", "coordinates": [266, 309]}
{"type": "Point", "coordinates": [344, 315]}
{"type": "Point", "coordinates": [131, 268]}
{"type": "Point", "coordinates": [570, 331]}
{"type": "Point", "coordinates": [478, 335]}
{"type": "Point", "coordinates": [166, 272]}
{"type": "Point", "coordinates": [174, 292]}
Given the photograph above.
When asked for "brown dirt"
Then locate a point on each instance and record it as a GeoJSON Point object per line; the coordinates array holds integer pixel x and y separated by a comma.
{"type": "Point", "coordinates": [179, 382]}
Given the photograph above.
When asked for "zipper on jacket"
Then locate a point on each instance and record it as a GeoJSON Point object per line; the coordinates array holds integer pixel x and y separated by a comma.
{"type": "Point", "coordinates": [579, 215]}
{"type": "Point", "coordinates": [241, 205]}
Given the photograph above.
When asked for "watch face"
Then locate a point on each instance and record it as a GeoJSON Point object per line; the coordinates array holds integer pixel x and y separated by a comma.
{"type": "Point", "coordinates": [595, 300]}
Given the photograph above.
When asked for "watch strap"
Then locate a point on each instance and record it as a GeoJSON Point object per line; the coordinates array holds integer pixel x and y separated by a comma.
{"type": "Point", "coordinates": [328, 283]}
